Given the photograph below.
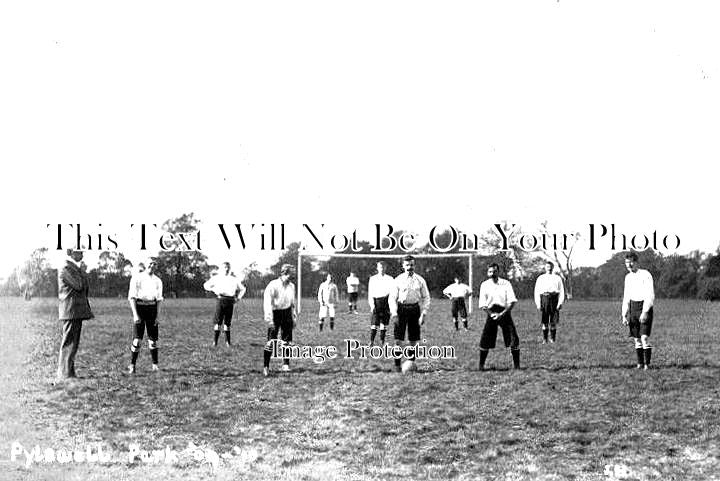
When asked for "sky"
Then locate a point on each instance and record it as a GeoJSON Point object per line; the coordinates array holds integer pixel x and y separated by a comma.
{"type": "Point", "coordinates": [350, 114]}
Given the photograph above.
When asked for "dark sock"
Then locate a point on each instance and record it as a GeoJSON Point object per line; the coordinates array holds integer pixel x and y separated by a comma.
{"type": "Point", "coordinates": [545, 334]}
{"type": "Point", "coordinates": [321, 325]}
{"type": "Point", "coordinates": [483, 357]}
{"type": "Point", "coordinates": [465, 324]}
{"type": "Point", "coordinates": [516, 358]}
{"type": "Point", "coordinates": [332, 323]}
{"type": "Point", "coordinates": [286, 361]}
{"type": "Point", "coordinates": [552, 334]}
{"type": "Point", "coordinates": [382, 336]}
{"type": "Point", "coordinates": [227, 336]}
{"type": "Point", "coordinates": [217, 336]}
{"type": "Point", "coordinates": [133, 356]}
{"type": "Point", "coordinates": [456, 324]}
{"type": "Point", "coordinates": [640, 355]}
{"type": "Point", "coordinates": [398, 362]}
{"type": "Point", "coordinates": [266, 357]}
{"type": "Point", "coordinates": [372, 335]}
{"type": "Point", "coordinates": [648, 354]}
{"type": "Point", "coordinates": [154, 355]}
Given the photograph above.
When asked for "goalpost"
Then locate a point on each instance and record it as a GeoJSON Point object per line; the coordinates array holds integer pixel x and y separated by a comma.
{"type": "Point", "coordinates": [379, 257]}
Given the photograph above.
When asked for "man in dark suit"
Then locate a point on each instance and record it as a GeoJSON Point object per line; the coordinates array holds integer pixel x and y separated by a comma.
{"type": "Point", "coordinates": [73, 309]}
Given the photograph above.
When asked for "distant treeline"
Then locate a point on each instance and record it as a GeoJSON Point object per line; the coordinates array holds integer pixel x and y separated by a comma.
{"type": "Point", "coordinates": [696, 275]}
{"type": "Point", "coordinates": [692, 276]}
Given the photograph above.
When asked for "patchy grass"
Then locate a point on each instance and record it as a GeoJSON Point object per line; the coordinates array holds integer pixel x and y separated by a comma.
{"type": "Point", "coordinates": [578, 409]}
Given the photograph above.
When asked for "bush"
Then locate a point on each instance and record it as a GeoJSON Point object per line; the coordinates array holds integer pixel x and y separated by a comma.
{"type": "Point", "coordinates": [709, 289]}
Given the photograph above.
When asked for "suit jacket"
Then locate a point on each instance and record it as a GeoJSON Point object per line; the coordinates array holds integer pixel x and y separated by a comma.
{"type": "Point", "coordinates": [73, 294]}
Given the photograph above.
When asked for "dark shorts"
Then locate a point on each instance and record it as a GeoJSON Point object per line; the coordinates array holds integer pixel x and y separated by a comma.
{"type": "Point", "coordinates": [638, 328]}
{"type": "Point", "coordinates": [408, 318]}
{"type": "Point", "coordinates": [283, 325]}
{"type": "Point", "coordinates": [489, 333]}
{"type": "Point", "coordinates": [224, 310]}
{"type": "Point", "coordinates": [352, 296]}
{"type": "Point", "coordinates": [457, 307]}
{"type": "Point", "coordinates": [147, 312]}
{"type": "Point", "coordinates": [381, 313]}
{"type": "Point", "coordinates": [549, 313]}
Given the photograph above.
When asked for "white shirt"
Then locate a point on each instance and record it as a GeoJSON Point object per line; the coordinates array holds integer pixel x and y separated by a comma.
{"type": "Point", "coordinates": [549, 283]}
{"type": "Point", "coordinates": [352, 284]}
{"type": "Point", "coordinates": [501, 293]}
{"type": "Point", "coordinates": [225, 285]}
{"type": "Point", "coordinates": [638, 287]}
{"type": "Point", "coordinates": [409, 290]}
{"type": "Point", "coordinates": [380, 286]}
{"type": "Point", "coordinates": [145, 286]}
{"type": "Point", "coordinates": [327, 293]}
{"type": "Point", "coordinates": [278, 296]}
{"type": "Point", "coordinates": [457, 290]}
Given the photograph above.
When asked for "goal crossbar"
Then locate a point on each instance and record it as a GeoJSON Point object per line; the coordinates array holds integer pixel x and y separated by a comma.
{"type": "Point", "coordinates": [378, 256]}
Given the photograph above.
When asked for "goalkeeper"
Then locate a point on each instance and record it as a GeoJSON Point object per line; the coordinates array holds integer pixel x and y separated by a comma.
{"type": "Point", "coordinates": [327, 297]}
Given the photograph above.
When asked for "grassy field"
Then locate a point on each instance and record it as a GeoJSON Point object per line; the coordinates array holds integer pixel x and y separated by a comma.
{"type": "Point", "coordinates": [577, 410]}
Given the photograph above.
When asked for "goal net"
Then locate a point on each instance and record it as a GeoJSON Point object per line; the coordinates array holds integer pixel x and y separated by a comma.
{"type": "Point", "coordinates": [312, 269]}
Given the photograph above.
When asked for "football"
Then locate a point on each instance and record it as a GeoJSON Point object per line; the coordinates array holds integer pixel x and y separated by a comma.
{"type": "Point", "coordinates": [408, 367]}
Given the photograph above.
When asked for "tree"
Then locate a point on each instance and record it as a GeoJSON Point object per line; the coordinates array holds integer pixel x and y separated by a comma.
{"type": "Point", "coordinates": [183, 272]}
{"type": "Point", "coordinates": [709, 278]}
{"type": "Point", "coordinates": [712, 266]}
{"type": "Point", "coordinates": [584, 281]}
{"type": "Point", "coordinates": [709, 289]}
{"type": "Point", "coordinates": [36, 276]}
{"type": "Point", "coordinates": [522, 263]}
{"type": "Point", "coordinates": [10, 287]}
{"type": "Point", "coordinates": [110, 277]}
{"type": "Point", "coordinates": [679, 277]}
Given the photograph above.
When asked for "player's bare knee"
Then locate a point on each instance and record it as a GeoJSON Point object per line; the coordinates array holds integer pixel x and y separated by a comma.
{"type": "Point", "coordinates": [638, 343]}
{"type": "Point", "coordinates": [645, 341]}
{"type": "Point", "coordinates": [135, 345]}
{"type": "Point", "coordinates": [152, 344]}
